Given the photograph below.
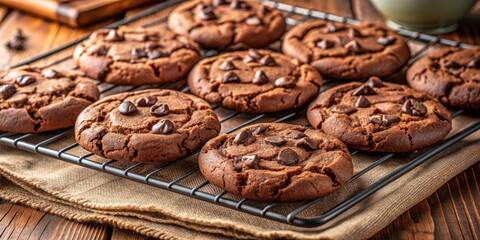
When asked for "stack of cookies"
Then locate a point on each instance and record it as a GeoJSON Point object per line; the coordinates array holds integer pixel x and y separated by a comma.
{"type": "Point", "coordinates": [266, 162]}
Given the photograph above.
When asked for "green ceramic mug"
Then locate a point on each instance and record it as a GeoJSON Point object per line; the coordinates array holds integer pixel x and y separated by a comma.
{"type": "Point", "coordinates": [430, 16]}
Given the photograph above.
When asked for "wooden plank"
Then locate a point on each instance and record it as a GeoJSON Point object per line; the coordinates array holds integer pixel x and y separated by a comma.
{"type": "Point", "coordinates": [120, 234]}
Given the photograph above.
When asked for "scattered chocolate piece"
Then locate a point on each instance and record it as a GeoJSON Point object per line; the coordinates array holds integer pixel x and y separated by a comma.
{"type": "Point", "coordinates": [7, 91]}
{"type": "Point", "coordinates": [364, 90]}
{"type": "Point", "coordinates": [414, 108]}
{"type": "Point", "coordinates": [260, 78]}
{"type": "Point", "coordinates": [25, 80]}
{"type": "Point", "coordinates": [127, 108]}
{"type": "Point", "coordinates": [385, 41]}
{"type": "Point", "coordinates": [287, 157]}
{"type": "Point", "coordinates": [113, 36]}
{"type": "Point", "coordinates": [231, 77]}
{"type": "Point", "coordinates": [286, 82]}
{"type": "Point", "coordinates": [275, 141]}
{"type": "Point", "coordinates": [164, 126]}
{"type": "Point", "coordinates": [353, 33]}
{"type": "Point", "coordinates": [329, 28]}
{"type": "Point", "coordinates": [244, 137]}
{"type": "Point", "coordinates": [253, 21]}
{"type": "Point", "coordinates": [375, 82]}
{"type": "Point", "coordinates": [138, 52]}
{"type": "Point", "coordinates": [362, 102]}
{"type": "Point", "coordinates": [226, 66]}
{"type": "Point", "coordinates": [475, 63]}
{"type": "Point", "coordinates": [267, 60]}
{"type": "Point", "coordinates": [18, 34]}
{"type": "Point", "coordinates": [50, 73]}
{"type": "Point", "coordinates": [206, 14]}
{"type": "Point", "coordinates": [295, 135]}
{"type": "Point", "coordinates": [146, 101]}
{"type": "Point", "coordinates": [306, 143]}
{"type": "Point", "coordinates": [159, 110]}
{"type": "Point", "coordinates": [154, 54]}
{"type": "Point", "coordinates": [353, 46]}
{"type": "Point", "coordinates": [260, 129]}
{"type": "Point", "coordinates": [344, 109]}
{"type": "Point", "coordinates": [384, 120]}
{"type": "Point", "coordinates": [18, 41]}
{"type": "Point", "coordinates": [325, 44]}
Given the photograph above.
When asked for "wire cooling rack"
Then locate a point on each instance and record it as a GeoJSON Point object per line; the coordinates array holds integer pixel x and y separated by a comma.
{"type": "Point", "coordinates": [182, 176]}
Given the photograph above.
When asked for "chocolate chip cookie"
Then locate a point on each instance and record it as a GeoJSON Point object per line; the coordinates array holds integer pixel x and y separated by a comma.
{"type": "Point", "coordinates": [254, 81]}
{"type": "Point", "coordinates": [136, 56]}
{"type": "Point", "coordinates": [233, 24]}
{"type": "Point", "coordinates": [146, 126]}
{"type": "Point", "coordinates": [380, 117]}
{"type": "Point", "coordinates": [345, 51]}
{"type": "Point", "coordinates": [276, 162]}
{"type": "Point", "coordinates": [33, 100]}
{"type": "Point", "coordinates": [451, 75]}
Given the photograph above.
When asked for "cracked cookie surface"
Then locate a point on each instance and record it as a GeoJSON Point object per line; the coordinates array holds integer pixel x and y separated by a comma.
{"type": "Point", "coordinates": [254, 81]}
{"type": "Point", "coordinates": [452, 75]}
{"type": "Point", "coordinates": [33, 100]}
{"type": "Point", "coordinates": [231, 24]}
{"type": "Point", "coordinates": [276, 162]}
{"type": "Point", "coordinates": [146, 126]}
{"type": "Point", "coordinates": [136, 56]}
{"type": "Point", "coordinates": [380, 117]}
{"type": "Point", "coordinates": [345, 51]}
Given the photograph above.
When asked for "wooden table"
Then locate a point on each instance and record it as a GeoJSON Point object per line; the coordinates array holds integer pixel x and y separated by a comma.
{"type": "Point", "coordinates": [451, 212]}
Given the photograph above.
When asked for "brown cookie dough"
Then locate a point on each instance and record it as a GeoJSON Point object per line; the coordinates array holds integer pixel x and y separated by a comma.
{"type": "Point", "coordinates": [254, 81]}
{"type": "Point", "coordinates": [146, 126]}
{"type": "Point", "coordinates": [276, 162]}
{"type": "Point", "coordinates": [232, 24]}
{"type": "Point", "coordinates": [345, 51]}
{"type": "Point", "coordinates": [33, 100]}
{"type": "Point", "coordinates": [380, 116]}
{"type": "Point", "coordinates": [136, 56]}
{"type": "Point", "coordinates": [451, 75]}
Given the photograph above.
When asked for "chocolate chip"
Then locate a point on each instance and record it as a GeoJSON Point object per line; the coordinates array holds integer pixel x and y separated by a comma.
{"type": "Point", "coordinates": [353, 46]}
{"type": "Point", "coordinates": [251, 161]}
{"type": "Point", "coordinates": [414, 108]}
{"type": "Point", "coordinates": [113, 36]}
{"type": "Point", "coordinates": [226, 66]}
{"type": "Point", "coordinates": [50, 73]}
{"type": "Point", "coordinates": [154, 54]}
{"type": "Point", "coordinates": [7, 91]}
{"type": "Point", "coordinates": [287, 157]}
{"type": "Point", "coordinates": [384, 120]}
{"type": "Point", "coordinates": [267, 60]}
{"type": "Point", "coordinates": [97, 49]}
{"type": "Point", "coordinates": [325, 44]}
{"type": "Point", "coordinates": [234, 58]}
{"type": "Point", "coordinates": [253, 21]}
{"type": "Point", "coordinates": [435, 65]}
{"type": "Point", "coordinates": [286, 82]}
{"type": "Point", "coordinates": [375, 82]}
{"type": "Point", "coordinates": [275, 141]}
{"type": "Point", "coordinates": [329, 28]}
{"type": "Point", "coordinates": [260, 129]}
{"type": "Point", "coordinates": [206, 14]}
{"type": "Point", "coordinates": [385, 41]}
{"type": "Point", "coordinates": [264, 10]}
{"type": "Point", "coordinates": [219, 2]}
{"type": "Point", "coordinates": [343, 109]}
{"type": "Point", "coordinates": [249, 59]}
{"type": "Point", "coordinates": [442, 116]}
{"type": "Point", "coordinates": [244, 137]}
{"type": "Point", "coordinates": [353, 33]}
{"type": "Point", "coordinates": [295, 135]}
{"type": "Point", "coordinates": [159, 110]}
{"type": "Point", "coordinates": [127, 108]}
{"type": "Point", "coordinates": [238, 4]}
{"type": "Point", "coordinates": [164, 126]}
{"type": "Point", "coordinates": [260, 78]}
{"type": "Point", "coordinates": [364, 90]}
{"type": "Point", "coordinates": [152, 45]}
{"type": "Point", "coordinates": [25, 80]}
{"type": "Point", "coordinates": [306, 143]}
{"type": "Point", "coordinates": [231, 77]}
{"type": "Point", "coordinates": [475, 63]}
{"type": "Point", "coordinates": [362, 102]}
{"type": "Point", "coordinates": [254, 53]}
{"type": "Point", "coordinates": [138, 52]}
{"type": "Point", "coordinates": [452, 64]}
{"type": "Point", "coordinates": [146, 101]}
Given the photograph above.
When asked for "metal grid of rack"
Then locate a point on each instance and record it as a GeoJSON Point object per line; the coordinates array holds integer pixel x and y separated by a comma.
{"type": "Point", "coordinates": [158, 175]}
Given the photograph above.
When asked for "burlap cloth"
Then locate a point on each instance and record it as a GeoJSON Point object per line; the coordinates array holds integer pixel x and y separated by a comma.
{"type": "Point", "coordinates": [82, 194]}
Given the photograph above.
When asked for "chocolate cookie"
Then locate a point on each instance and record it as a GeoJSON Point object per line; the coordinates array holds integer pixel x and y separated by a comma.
{"type": "Point", "coordinates": [276, 162]}
{"type": "Point", "coordinates": [254, 81]}
{"type": "Point", "coordinates": [232, 24]}
{"type": "Point", "coordinates": [33, 100]}
{"type": "Point", "coordinates": [380, 117]}
{"type": "Point", "coordinates": [451, 74]}
{"type": "Point", "coordinates": [136, 56]}
{"type": "Point", "coordinates": [146, 126]}
{"type": "Point", "coordinates": [345, 51]}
